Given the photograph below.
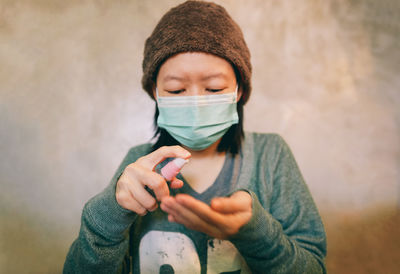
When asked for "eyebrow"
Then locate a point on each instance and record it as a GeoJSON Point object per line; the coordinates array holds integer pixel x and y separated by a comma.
{"type": "Point", "coordinates": [169, 77]}
{"type": "Point", "coordinates": [215, 75]}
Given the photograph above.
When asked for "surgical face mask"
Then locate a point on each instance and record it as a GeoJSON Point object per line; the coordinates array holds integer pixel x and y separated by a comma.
{"type": "Point", "coordinates": [197, 122]}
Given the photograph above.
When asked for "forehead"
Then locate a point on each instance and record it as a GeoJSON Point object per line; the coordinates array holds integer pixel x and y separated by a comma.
{"type": "Point", "coordinates": [197, 65]}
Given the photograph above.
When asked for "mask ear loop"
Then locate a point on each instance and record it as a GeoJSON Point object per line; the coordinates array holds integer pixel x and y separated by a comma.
{"type": "Point", "coordinates": [236, 92]}
{"type": "Point", "coordinates": [157, 92]}
{"type": "Point", "coordinates": [157, 96]}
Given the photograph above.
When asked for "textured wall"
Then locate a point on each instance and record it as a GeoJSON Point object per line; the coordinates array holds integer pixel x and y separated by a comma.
{"type": "Point", "coordinates": [71, 105]}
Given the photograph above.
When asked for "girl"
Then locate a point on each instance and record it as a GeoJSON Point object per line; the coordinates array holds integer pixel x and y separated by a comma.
{"type": "Point", "coordinates": [240, 205]}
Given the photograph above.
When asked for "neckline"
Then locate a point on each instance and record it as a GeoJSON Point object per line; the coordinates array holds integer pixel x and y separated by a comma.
{"type": "Point", "coordinates": [186, 188]}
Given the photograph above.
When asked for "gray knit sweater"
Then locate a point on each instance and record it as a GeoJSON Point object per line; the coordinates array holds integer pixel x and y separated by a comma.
{"type": "Point", "coordinates": [284, 235]}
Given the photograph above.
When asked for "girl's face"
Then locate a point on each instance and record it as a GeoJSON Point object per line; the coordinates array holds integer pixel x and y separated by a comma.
{"type": "Point", "coordinates": [195, 73]}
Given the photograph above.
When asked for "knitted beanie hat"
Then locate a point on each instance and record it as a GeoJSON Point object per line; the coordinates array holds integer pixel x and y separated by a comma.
{"type": "Point", "coordinates": [197, 26]}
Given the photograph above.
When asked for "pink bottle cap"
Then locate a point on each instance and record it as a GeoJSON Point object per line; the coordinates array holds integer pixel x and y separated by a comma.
{"type": "Point", "coordinates": [170, 170]}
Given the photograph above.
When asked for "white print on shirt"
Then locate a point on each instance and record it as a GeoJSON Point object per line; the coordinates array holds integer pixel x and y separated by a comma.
{"type": "Point", "coordinates": [158, 248]}
{"type": "Point", "coordinates": [222, 256]}
{"type": "Point", "coordinates": [176, 253]}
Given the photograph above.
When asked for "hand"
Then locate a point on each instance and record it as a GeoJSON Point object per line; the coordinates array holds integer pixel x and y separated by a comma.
{"type": "Point", "coordinates": [130, 191]}
{"type": "Point", "coordinates": [222, 219]}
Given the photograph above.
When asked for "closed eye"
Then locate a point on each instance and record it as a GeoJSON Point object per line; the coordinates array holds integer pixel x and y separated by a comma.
{"type": "Point", "coordinates": [175, 91]}
{"type": "Point", "coordinates": [215, 90]}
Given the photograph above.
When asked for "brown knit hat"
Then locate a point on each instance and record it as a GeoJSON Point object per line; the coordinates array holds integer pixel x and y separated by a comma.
{"type": "Point", "coordinates": [196, 26]}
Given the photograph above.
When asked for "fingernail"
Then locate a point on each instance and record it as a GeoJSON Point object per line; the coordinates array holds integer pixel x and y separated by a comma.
{"type": "Point", "coordinates": [180, 198]}
{"type": "Point", "coordinates": [216, 202]}
{"type": "Point", "coordinates": [171, 218]}
{"type": "Point", "coordinates": [164, 206]}
{"type": "Point", "coordinates": [166, 200]}
{"type": "Point", "coordinates": [153, 208]}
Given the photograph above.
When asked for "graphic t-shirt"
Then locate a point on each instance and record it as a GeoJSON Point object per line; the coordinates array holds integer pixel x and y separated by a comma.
{"type": "Point", "coordinates": [159, 246]}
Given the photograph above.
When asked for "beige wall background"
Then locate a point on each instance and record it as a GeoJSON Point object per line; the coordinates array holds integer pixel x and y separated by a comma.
{"type": "Point", "coordinates": [325, 78]}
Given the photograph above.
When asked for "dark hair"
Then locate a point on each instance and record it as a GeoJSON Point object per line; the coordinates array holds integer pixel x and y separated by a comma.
{"type": "Point", "coordinates": [230, 142]}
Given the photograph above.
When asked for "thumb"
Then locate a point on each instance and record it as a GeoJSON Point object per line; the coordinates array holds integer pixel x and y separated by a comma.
{"type": "Point", "coordinates": [176, 183]}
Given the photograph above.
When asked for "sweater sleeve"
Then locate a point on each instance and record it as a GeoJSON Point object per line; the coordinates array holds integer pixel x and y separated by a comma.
{"type": "Point", "coordinates": [103, 242]}
{"type": "Point", "coordinates": [289, 236]}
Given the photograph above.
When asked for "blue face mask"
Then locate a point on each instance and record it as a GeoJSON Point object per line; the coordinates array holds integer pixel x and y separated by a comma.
{"type": "Point", "coordinates": [197, 122]}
